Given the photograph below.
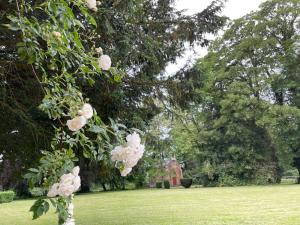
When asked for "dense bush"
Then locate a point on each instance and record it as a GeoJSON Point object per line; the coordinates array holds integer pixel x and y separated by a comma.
{"type": "Point", "coordinates": [208, 181]}
{"type": "Point", "coordinates": [166, 184]}
{"type": "Point", "coordinates": [186, 182]}
{"type": "Point", "coordinates": [291, 173]}
{"type": "Point", "coordinates": [7, 196]}
{"type": "Point", "coordinates": [139, 181]}
{"type": "Point", "coordinates": [158, 185]}
{"type": "Point", "coordinates": [226, 180]}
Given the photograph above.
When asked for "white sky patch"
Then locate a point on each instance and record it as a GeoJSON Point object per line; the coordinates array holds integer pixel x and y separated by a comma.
{"type": "Point", "coordinates": [233, 9]}
{"type": "Point", "coordinates": [164, 132]}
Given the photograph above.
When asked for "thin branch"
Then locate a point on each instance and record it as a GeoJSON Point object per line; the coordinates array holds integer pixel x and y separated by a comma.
{"type": "Point", "coordinates": [37, 78]}
{"type": "Point", "coordinates": [18, 8]}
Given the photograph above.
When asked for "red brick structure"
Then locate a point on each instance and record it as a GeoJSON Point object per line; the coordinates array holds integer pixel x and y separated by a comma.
{"type": "Point", "coordinates": [173, 172]}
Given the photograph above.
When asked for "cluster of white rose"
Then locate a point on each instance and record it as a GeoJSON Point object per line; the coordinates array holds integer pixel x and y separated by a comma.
{"type": "Point", "coordinates": [80, 121]}
{"type": "Point", "coordinates": [129, 154]}
{"type": "Point", "coordinates": [69, 183]}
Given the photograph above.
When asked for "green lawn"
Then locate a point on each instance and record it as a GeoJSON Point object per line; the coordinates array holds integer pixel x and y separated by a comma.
{"type": "Point", "coordinates": [263, 205]}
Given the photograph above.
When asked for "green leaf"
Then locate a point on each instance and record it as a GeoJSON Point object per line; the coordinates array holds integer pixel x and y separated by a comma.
{"type": "Point", "coordinates": [97, 129]}
{"type": "Point", "coordinates": [34, 170]}
{"type": "Point", "coordinates": [39, 208]}
{"type": "Point", "coordinates": [77, 40]}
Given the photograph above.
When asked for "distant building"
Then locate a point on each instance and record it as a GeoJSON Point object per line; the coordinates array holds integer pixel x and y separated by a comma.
{"type": "Point", "coordinates": [172, 173]}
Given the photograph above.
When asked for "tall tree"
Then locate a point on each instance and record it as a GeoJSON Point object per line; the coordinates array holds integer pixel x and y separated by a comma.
{"type": "Point", "coordinates": [246, 123]}
{"type": "Point", "coordinates": [141, 36]}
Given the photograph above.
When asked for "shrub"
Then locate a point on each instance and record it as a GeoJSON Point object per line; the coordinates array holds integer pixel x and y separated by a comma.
{"type": "Point", "coordinates": [291, 173]}
{"type": "Point", "coordinates": [226, 180]}
{"type": "Point", "coordinates": [139, 181]}
{"type": "Point", "coordinates": [209, 181]}
{"type": "Point", "coordinates": [158, 185]}
{"type": "Point", "coordinates": [166, 184]}
{"type": "Point", "coordinates": [186, 182]}
{"type": "Point", "coordinates": [7, 196]}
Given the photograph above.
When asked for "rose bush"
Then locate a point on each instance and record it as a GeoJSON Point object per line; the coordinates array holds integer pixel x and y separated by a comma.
{"type": "Point", "coordinates": [59, 47]}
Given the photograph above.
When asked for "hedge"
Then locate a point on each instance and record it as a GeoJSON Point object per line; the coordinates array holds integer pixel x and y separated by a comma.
{"type": "Point", "coordinates": [166, 184]}
{"type": "Point", "coordinates": [7, 196]}
{"type": "Point", "coordinates": [158, 184]}
{"type": "Point", "coordinates": [186, 182]}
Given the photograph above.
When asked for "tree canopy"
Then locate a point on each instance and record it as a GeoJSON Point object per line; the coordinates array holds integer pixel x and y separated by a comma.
{"type": "Point", "coordinates": [244, 123]}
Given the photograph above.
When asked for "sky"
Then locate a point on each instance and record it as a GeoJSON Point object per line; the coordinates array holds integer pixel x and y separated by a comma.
{"type": "Point", "coordinates": [233, 9]}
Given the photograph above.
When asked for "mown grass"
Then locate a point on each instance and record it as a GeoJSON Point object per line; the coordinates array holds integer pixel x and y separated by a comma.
{"type": "Point", "coordinates": [254, 205]}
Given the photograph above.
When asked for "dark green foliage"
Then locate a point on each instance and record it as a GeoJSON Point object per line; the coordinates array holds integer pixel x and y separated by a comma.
{"type": "Point", "coordinates": [186, 182]}
{"type": "Point", "coordinates": [229, 181]}
{"type": "Point", "coordinates": [296, 164]}
{"type": "Point", "coordinates": [158, 184]}
{"type": "Point", "coordinates": [7, 196]}
{"type": "Point", "coordinates": [208, 181]}
{"type": "Point", "coordinates": [166, 184]}
{"type": "Point", "coordinates": [84, 188]}
{"type": "Point", "coordinates": [139, 180]}
{"type": "Point", "coordinates": [39, 208]}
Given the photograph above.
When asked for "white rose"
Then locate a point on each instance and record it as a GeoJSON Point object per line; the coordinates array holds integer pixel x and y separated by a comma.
{"type": "Point", "coordinates": [56, 34]}
{"type": "Point", "coordinates": [116, 153]}
{"type": "Point", "coordinates": [92, 4]}
{"type": "Point", "coordinates": [129, 154]}
{"type": "Point", "coordinates": [104, 62]}
{"type": "Point", "coordinates": [76, 183]}
{"type": "Point", "coordinates": [67, 179]}
{"type": "Point", "coordinates": [77, 123]}
{"type": "Point", "coordinates": [75, 171]}
{"type": "Point", "coordinates": [139, 151]}
{"type": "Point", "coordinates": [53, 191]}
{"type": "Point", "coordinates": [65, 190]}
{"type": "Point", "coordinates": [86, 111]}
{"type": "Point", "coordinates": [133, 139]}
{"type": "Point", "coordinates": [99, 50]}
{"type": "Point", "coordinates": [66, 185]}
{"type": "Point", "coordinates": [131, 160]}
{"type": "Point", "coordinates": [125, 171]}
